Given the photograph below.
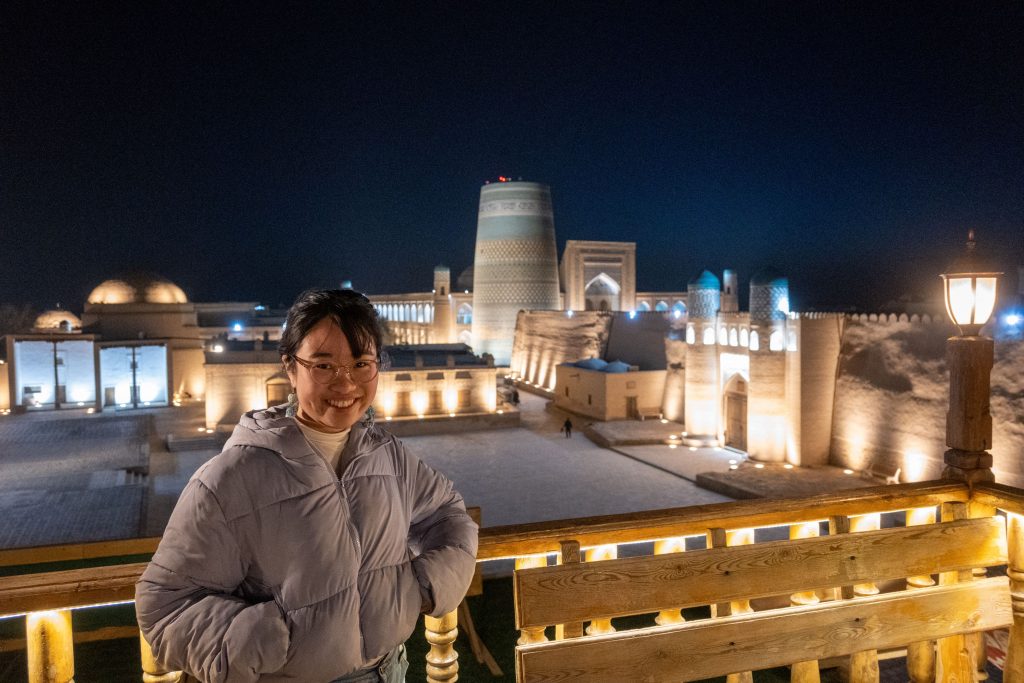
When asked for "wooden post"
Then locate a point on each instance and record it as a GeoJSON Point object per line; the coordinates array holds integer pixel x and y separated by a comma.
{"type": "Point", "coordinates": [720, 538]}
{"type": "Point", "coordinates": [49, 646]}
{"type": "Point", "coordinates": [442, 659]}
{"type": "Point", "coordinates": [534, 634]}
{"type": "Point", "coordinates": [596, 554]}
{"type": "Point", "coordinates": [968, 421]}
{"type": "Point", "coordinates": [863, 665]}
{"type": "Point", "coordinates": [1014, 668]}
{"type": "Point", "coordinates": [570, 554]}
{"type": "Point", "coordinates": [152, 670]}
{"type": "Point", "coordinates": [667, 546]}
{"type": "Point", "coordinates": [804, 672]}
{"type": "Point", "coordinates": [955, 661]}
{"type": "Point", "coordinates": [921, 656]}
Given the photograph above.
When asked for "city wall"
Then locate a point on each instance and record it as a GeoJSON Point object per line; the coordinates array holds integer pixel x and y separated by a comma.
{"type": "Point", "coordinates": [892, 391]}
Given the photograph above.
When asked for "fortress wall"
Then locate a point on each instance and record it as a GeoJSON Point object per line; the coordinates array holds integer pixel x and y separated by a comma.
{"type": "Point", "coordinates": [544, 339]}
{"type": "Point", "coordinates": [892, 394]}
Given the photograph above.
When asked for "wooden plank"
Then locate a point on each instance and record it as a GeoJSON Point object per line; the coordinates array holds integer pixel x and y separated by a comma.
{"type": "Point", "coordinates": [637, 585]}
{"type": "Point", "coordinates": [712, 647]}
{"type": "Point", "coordinates": [543, 537]}
{"type": "Point", "coordinates": [1000, 496]}
{"type": "Point", "coordinates": [78, 551]}
{"type": "Point", "coordinates": [73, 588]}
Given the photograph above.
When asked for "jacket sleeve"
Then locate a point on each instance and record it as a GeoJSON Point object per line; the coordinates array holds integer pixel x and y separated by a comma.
{"type": "Point", "coordinates": [441, 535]}
{"type": "Point", "coordinates": [183, 602]}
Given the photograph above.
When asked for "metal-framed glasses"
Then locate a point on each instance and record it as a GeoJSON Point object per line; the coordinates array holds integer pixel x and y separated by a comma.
{"type": "Point", "coordinates": [325, 372]}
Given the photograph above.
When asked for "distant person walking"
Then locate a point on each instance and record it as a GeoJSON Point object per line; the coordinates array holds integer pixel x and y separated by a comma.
{"type": "Point", "coordinates": [567, 428]}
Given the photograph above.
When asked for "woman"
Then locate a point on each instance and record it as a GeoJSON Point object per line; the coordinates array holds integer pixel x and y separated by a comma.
{"type": "Point", "coordinates": [308, 548]}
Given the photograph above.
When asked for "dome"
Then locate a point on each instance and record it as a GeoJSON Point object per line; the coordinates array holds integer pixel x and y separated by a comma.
{"type": "Point", "coordinates": [138, 289]}
{"type": "Point", "coordinates": [768, 276]}
{"type": "Point", "coordinates": [591, 364]}
{"type": "Point", "coordinates": [58, 320]}
{"type": "Point", "coordinates": [617, 366]}
{"type": "Point", "coordinates": [706, 280]}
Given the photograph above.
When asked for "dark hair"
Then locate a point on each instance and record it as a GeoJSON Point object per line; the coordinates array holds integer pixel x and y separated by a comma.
{"type": "Point", "coordinates": [349, 310]}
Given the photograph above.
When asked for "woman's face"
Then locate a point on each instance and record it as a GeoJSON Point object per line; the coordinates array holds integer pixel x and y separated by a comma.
{"type": "Point", "coordinates": [336, 406]}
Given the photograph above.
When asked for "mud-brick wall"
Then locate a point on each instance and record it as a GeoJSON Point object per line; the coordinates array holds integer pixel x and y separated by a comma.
{"type": "Point", "coordinates": [892, 394]}
{"type": "Point", "coordinates": [544, 339]}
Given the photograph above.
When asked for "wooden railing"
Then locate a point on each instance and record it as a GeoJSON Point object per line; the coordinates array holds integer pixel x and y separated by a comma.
{"type": "Point", "coordinates": [46, 597]}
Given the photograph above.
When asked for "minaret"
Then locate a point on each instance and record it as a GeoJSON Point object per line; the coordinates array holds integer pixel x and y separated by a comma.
{"type": "Point", "coordinates": [515, 265]}
{"type": "Point", "coordinates": [766, 393]}
{"type": "Point", "coordinates": [701, 407]}
{"type": "Point", "coordinates": [442, 327]}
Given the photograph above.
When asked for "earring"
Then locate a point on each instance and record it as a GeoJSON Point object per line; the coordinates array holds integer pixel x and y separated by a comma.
{"type": "Point", "coordinates": [293, 405]}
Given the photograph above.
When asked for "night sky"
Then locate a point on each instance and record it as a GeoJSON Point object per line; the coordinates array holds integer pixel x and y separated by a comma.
{"type": "Point", "coordinates": [247, 154]}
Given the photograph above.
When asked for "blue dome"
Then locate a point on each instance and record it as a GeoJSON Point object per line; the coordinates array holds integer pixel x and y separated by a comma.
{"type": "Point", "coordinates": [616, 366]}
{"type": "Point", "coordinates": [591, 364]}
{"type": "Point", "coordinates": [706, 280]}
{"type": "Point", "coordinates": [768, 276]}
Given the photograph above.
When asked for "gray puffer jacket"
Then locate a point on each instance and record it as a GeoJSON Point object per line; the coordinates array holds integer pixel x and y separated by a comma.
{"type": "Point", "coordinates": [273, 569]}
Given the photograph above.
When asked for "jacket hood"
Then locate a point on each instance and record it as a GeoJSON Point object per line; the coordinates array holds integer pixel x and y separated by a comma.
{"type": "Point", "coordinates": [272, 429]}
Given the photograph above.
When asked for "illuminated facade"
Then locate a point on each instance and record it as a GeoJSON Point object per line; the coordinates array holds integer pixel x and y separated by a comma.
{"type": "Point", "coordinates": [419, 381]}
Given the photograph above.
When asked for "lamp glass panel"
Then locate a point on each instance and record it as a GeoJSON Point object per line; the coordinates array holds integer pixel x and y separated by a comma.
{"type": "Point", "coordinates": [961, 299]}
{"type": "Point", "coordinates": [985, 299]}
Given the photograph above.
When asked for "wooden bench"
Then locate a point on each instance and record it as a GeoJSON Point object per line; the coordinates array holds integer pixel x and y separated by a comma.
{"type": "Point", "coordinates": [830, 580]}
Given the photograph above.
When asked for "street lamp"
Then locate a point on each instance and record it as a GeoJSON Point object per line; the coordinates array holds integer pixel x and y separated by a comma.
{"type": "Point", "coordinates": [970, 293]}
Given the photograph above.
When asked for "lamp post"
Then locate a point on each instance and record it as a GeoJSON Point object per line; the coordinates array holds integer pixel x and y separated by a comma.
{"type": "Point", "coordinates": [970, 293]}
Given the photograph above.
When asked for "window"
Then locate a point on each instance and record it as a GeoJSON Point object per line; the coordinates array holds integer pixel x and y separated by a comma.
{"type": "Point", "coordinates": [435, 375]}
{"type": "Point", "coordinates": [463, 374]}
{"type": "Point", "coordinates": [733, 337]}
{"type": "Point", "coordinates": [755, 343]}
{"type": "Point", "coordinates": [775, 341]}
{"type": "Point", "coordinates": [403, 377]}
{"type": "Point", "coordinates": [709, 336]}
{"type": "Point", "coordinates": [691, 335]}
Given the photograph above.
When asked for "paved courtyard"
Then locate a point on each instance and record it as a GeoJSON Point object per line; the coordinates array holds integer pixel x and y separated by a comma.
{"type": "Point", "coordinates": [64, 479]}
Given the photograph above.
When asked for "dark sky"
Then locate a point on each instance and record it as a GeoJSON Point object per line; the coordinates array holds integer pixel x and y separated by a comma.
{"type": "Point", "coordinates": [249, 153]}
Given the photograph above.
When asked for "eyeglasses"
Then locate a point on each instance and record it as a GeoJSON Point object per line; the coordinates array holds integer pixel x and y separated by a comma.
{"type": "Point", "coordinates": [322, 372]}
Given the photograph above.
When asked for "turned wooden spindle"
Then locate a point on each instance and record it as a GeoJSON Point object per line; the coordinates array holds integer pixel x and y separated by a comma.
{"type": "Point", "coordinates": [442, 658]}
{"type": "Point", "coordinates": [49, 646]}
{"type": "Point", "coordinates": [596, 554]}
{"type": "Point", "coordinates": [955, 662]}
{"type": "Point", "coordinates": [863, 665]}
{"type": "Point", "coordinates": [152, 670]}
{"type": "Point", "coordinates": [1014, 668]}
{"type": "Point", "coordinates": [570, 554]}
{"type": "Point", "coordinates": [804, 672]}
{"type": "Point", "coordinates": [720, 538]}
{"type": "Point", "coordinates": [664, 547]}
{"type": "Point", "coordinates": [921, 656]}
{"type": "Point", "coordinates": [533, 634]}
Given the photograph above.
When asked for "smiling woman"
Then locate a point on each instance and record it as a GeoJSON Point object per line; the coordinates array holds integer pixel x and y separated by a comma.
{"type": "Point", "coordinates": [308, 548]}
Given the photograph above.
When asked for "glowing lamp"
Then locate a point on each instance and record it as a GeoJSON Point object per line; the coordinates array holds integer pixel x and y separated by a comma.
{"type": "Point", "coordinates": [970, 291]}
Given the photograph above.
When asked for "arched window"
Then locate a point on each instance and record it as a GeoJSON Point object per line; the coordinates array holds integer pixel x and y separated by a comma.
{"type": "Point", "coordinates": [709, 336]}
{"type": "Point", "coordinates": [744, 339]}
{"type": "Point", "coordinates": [775, 341]}
{"type": "Point", "coordinates": [791, 346]}
{"type": "Point", "coordinates": [679, 306]}
{"type": "Point", "coordinates": [733, 337]}
{"type": "Point", "coordinates": [691, 335]}
{"type": "Point", "coordinates": [661, 306]}
{"type": "Point", "coordinates": [755, 342]}
{"type": "Point", "coordinates": [643, 306]}
{"type": "Point", "coordinates": [464, 315]}
{"type": "Point", "coordinates": [723, 335]}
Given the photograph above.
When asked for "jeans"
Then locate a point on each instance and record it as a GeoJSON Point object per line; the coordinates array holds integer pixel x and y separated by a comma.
{"type": "Point", "coordinates": [391, 670]}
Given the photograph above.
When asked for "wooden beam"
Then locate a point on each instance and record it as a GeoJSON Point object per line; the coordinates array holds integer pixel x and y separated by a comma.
{"type": "Point", "coordinates": [543, 537]}
{"type": "Point", "coordinates": [66, 589]}
{"type": "Point", "coordinates": [78, 551]}
{"type": "Point", "coordinates": [703, 649]}
{"type": "Point", "coordinates": [637, 585]}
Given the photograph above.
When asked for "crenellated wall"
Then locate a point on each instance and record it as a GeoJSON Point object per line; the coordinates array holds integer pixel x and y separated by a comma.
{"type": "Point", "coordinates": [892, 392]}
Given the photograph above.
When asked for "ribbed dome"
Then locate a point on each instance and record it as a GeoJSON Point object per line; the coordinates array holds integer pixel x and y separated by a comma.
{"type": "Point", "coordinates": [144, 288]}
{"type": "Point", "coordinates": [58, 320]}
{"type": "Point", "coordinates": [768, 276]}
{"type": "Point", "coordinates": [706, 280]}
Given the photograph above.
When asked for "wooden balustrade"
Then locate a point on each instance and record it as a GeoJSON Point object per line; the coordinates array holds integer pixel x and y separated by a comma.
{"type": "Point", "coordinates": [51, 594]}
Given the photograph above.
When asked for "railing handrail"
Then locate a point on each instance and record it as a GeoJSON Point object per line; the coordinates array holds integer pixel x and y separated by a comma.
{"type": "Point", "coordinates": [94, 585]}
{"type": "Point", "coordinates": [515, 540]}
{"type": "Point", "coordinates": [43, 554]}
